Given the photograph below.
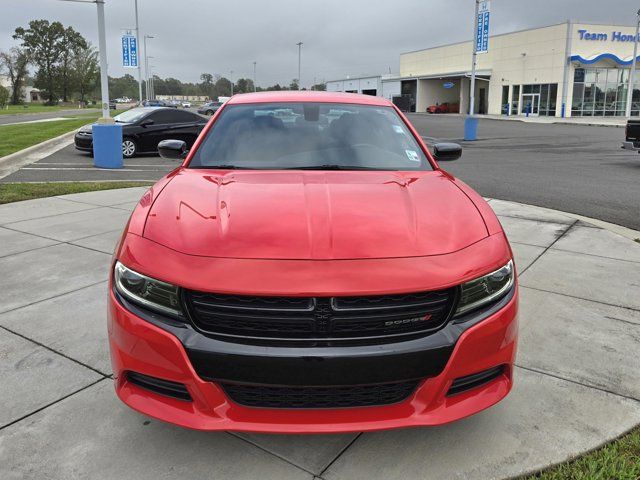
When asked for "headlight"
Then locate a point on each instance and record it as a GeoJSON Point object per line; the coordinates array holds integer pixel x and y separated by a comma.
{"type": "Point", "coordinates": [486, 289]}
{"type": "Point", "coordinates": [148, 292]}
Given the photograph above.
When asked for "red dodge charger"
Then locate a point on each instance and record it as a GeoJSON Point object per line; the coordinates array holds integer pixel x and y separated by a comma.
{"type": "Point", "coordinates": [310, 268]}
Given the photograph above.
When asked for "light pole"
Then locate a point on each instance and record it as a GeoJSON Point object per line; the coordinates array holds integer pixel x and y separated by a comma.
{"type": "Point", "coordinates": [146, 63]}
{"type": "Point", "coordinates": [231, 83]}
{"type": "Point", "coordinates": [102, 47]}
{"type": "Point", "coordinates": [147, 70]}
{"type": "Point", "coordinates": [299, 62]}
{"type": "Point", "coordinates": [138, 59]}
{"type": "Point", "coordinates": [152, 86]}
{"type": "Point", "coordinates": [474, 58]}
{"type": "Point", "coordinates": [254, 76]}
{"type": "Point", "coordinates": [633, 68]}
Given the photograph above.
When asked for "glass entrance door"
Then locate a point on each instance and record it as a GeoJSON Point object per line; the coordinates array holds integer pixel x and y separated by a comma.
{"type": "Point", "coordinates": [530, 103]}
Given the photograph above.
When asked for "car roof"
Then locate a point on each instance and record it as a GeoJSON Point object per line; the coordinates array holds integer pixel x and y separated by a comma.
{"type": "Point", "coordinates": [308, 96]}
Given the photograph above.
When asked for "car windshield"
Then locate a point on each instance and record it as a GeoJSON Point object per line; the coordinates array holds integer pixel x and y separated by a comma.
{"type": "Point", "coordinates": [322, 136]}
{"type": "Point", "coordinates": [130, 116]}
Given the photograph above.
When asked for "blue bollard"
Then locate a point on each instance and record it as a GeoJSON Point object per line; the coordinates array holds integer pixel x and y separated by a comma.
{"type": "Point", "coordinates": [107, 145]}
{"type": "Point", "coordinates": [470, 128]}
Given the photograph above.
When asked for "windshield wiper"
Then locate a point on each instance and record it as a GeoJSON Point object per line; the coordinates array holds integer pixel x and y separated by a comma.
{"type": "Point", "coordinates": [330, 166]}
{"type": "Point", "coordinates": [223, 167]}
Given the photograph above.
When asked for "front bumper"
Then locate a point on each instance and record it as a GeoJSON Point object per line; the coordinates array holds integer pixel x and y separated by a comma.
{"type": "Point", "coordinates": [144, 344]}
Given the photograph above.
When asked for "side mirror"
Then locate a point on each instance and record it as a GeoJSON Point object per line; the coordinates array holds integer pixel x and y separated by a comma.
{"type": "Point", "coordinates": [446, 151]}
{"type": "Point", "coordinates": [173, 149]}
{"type": "Point", "coordinates": [146, 123]}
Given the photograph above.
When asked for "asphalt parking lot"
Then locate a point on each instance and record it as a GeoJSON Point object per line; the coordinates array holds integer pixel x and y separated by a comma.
{"type": "Point", "coordinates": [575, 168]}
{"type": "Point", "coordinates": [70, 165]}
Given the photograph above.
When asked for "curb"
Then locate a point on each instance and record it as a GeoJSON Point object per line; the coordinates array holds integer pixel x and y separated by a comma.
{"type": "Point", "coordinates": [12, 162]}
{"type": "Point", "coordinates": [612, 227]}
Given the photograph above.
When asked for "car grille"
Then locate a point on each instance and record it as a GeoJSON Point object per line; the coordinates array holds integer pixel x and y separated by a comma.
{"type": "Point", "coordinates": [319, 397]}
{"type": "Point", "coordinates": [317, 319]}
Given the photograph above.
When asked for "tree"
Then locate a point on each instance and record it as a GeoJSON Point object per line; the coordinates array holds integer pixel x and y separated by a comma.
{"type": "Point", "coordinates": [125, 86]}
{"type": "Point", "coordinates": [223, 87]}
{"type": "Point", "coordinates": [322, 87]}
{"type": "Point", "coordinates": [243, 85]}
{"type": "Point", "coordinates": [84, 70]}
{"type": "Point", "coordinates": [16, 62]}
{"type": "Point", "coordinates": [72, 43]}
{"type": "Point", "coordinates": [44, 42]}
{"type": "Point", "coordinates": [4, 96]}
{"type": "Point", "coordinates": [294, 85]}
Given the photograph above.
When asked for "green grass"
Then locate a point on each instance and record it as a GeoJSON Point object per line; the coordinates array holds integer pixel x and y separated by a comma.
{"type": "Point", "coordinates": [16, 137]}
{"type": "Point", "coordinates": [33, 108]}
{"type": "Point", "coordinates": [16, 192]}
{"type": "Point", "coordinates": [618, 460]}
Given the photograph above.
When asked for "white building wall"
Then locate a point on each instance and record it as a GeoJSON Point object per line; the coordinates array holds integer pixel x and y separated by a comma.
{"type": "Point", "coordinates": [390, 89]}
{"type": "Point", "coordinates": [356, 85]}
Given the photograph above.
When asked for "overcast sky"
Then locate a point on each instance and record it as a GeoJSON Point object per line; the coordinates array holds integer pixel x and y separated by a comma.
{"type": "Point", "coordinates": [341, 37]}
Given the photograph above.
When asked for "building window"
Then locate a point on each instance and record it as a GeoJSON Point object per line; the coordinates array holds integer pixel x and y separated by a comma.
{"type": "Point", "coordinates": [539, 99]}
{"type": "Point", "coordinates": [515, 99]}
{"type": "Point", "coordinates": [504, 105]}
{"type": "Point", "coordinates": [602, 92]}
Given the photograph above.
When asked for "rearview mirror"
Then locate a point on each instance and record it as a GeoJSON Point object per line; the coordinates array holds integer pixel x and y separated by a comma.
{"type": "Point", "coordinates": [446, 151]}
{"type": "Point", "coordinates": [146, 123]}
{"type": "Point", "coordinates": [173, 149]}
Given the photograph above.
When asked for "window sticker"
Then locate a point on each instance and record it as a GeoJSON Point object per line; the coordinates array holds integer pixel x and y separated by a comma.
{"type": "Point", "coordinates": [412, 155]}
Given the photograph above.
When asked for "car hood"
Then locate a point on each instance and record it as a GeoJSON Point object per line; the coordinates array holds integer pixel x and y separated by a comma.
{"type": "Point", "coordinates": [314, 215]}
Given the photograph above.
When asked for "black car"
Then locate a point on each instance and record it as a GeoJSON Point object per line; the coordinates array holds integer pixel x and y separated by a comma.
{"type": "Point", "coordinates": [143, 128]}
{"type": "Point", "coordinates": [209, 108]}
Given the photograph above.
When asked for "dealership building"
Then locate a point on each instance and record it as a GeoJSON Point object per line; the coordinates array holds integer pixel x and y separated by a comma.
{"type": "Point", "coordinates": [568, 69]}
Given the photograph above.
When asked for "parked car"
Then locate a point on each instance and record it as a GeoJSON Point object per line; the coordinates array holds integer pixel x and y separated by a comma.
{"type": "Point", "coordinates": [112, 105]}
{"type": "Point", "coordinates": [160, 103]}
{"type": "Point", "coordinates": [312, 276]}
{"type": "Point", "coordinates": [632, 135]}
{"type": "Point", "coordinates": [445, 107]}
{"type": "Point", "coordinates": [154, 103]}
{"type": "Point", "coordinates": [186, 104]}
{"type": "Point", "coordinates": [143, 128]}
{"type": "Point", "coordinates": [209, 108]}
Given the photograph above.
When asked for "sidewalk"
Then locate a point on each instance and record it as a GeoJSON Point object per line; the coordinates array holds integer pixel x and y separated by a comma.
{"type": "Point", "coordinates": [577, 380]}
{"type": "Point", "coordinates": [591, 121]}
{"type": "Point", "coordinates": [598, 121]}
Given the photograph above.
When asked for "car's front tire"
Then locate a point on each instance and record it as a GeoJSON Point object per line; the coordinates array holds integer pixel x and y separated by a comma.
{"type": "Point", "coordinates": [129, 148]}
{"type": "Point", "coordinates": [209, 112]}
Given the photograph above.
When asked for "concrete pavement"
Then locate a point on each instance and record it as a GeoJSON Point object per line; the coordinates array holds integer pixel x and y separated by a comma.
{"type": "Point", "coordinates": [577, 381]}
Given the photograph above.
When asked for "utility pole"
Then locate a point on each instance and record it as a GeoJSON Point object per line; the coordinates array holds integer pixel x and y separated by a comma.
{"type": "Point", "coordinates": [254, 76]}
{"type": "Point", "coordinates": [138, 59]}
{"type": "Point", "coordinates": [633, 68]}
{"type": "Point", "coordinates": [472, 87]}
{"type": "Point", "coordinates": [231, 83]}
{"type": "Point", "coordinates": [146, 64]}
{"type": "Point", "coordinates": [299, 63]}
{"type": "Point", "coordinates": [102, 45]}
